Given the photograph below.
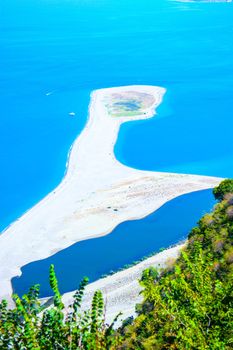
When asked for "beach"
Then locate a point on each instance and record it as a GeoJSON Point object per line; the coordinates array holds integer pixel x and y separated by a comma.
{"type": "Point", "coordinates": [97, 192]}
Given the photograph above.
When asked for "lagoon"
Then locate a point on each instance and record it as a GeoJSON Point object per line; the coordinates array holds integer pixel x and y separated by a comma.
{"type": "Point", "coordinates": [130, 241]}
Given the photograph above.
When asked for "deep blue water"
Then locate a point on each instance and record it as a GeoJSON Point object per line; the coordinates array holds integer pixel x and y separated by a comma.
{"type": "Point", "coordinates": [70, 47]}
{"type": "Point", "coordinates": [129, 242]}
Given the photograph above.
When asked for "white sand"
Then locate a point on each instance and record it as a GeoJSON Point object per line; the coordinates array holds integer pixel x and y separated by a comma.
{"type": "Point", "coordinates": [77, 208]}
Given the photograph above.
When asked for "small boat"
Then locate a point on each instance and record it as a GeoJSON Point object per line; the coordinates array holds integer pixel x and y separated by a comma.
{"type": "Point", "coordinates": [72, 114]}
{"type": "Point", "coordinates": [49, 93]}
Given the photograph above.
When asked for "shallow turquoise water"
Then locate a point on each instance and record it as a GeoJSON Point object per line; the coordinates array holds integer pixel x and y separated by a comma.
{"type": "Point", "coordinates": [70, 47]}
{"type": "Point", "coordinates": [129, 242]}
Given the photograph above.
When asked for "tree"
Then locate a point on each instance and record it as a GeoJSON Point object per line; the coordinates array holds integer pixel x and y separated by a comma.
{"type": "Point", "coordinates": [225, 187]}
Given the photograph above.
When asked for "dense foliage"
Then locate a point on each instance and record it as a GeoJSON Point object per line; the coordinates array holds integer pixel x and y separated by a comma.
{"type": "Point", "coordinates": [187, 306]}
{"type": "Point", "coordinates": [225, 187]}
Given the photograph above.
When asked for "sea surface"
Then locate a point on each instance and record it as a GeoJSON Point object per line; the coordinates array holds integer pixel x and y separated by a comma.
{"type": "Point", "coordinates": [53, 53]}
{"type": "Point", "coordinates": [127, 243]}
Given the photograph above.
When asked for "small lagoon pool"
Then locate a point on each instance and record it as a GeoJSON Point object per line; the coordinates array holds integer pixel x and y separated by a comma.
{"type": "Point", "coordinates": [128, 242]}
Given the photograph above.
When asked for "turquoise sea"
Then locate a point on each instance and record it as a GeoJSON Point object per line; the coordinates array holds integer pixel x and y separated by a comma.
{"type": "Point", "coordinates": [67, 48]}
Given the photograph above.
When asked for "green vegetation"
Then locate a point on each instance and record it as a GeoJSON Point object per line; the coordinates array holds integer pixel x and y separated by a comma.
{"type": "Point", "coordinates": [30, 326]}
{"type": "Point", "coordinates": [225, 188]}
{"type": "Point", "coordinates": [189, 305]}
{"type": "Point", "coordinates": [128, 103]}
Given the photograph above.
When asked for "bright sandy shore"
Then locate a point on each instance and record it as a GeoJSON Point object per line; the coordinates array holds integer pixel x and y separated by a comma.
{"type": "Point", "coordinates": [78, 208]}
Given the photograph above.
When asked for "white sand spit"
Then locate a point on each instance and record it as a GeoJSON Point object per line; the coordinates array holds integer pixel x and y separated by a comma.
{"type": "Point", "coordinates": [78, 208]}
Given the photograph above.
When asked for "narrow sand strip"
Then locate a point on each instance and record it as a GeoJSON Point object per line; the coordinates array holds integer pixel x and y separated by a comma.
{"type": "Point", "coordinates": [78, 208]}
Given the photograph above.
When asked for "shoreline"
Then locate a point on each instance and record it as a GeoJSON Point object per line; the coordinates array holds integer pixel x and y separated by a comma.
{"type": "Point", "coordinates": [76, 209]}
{"type": "Point", "coordinates": [121, 291]}
{"type": "Point", "coordinates": [62, 179]}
